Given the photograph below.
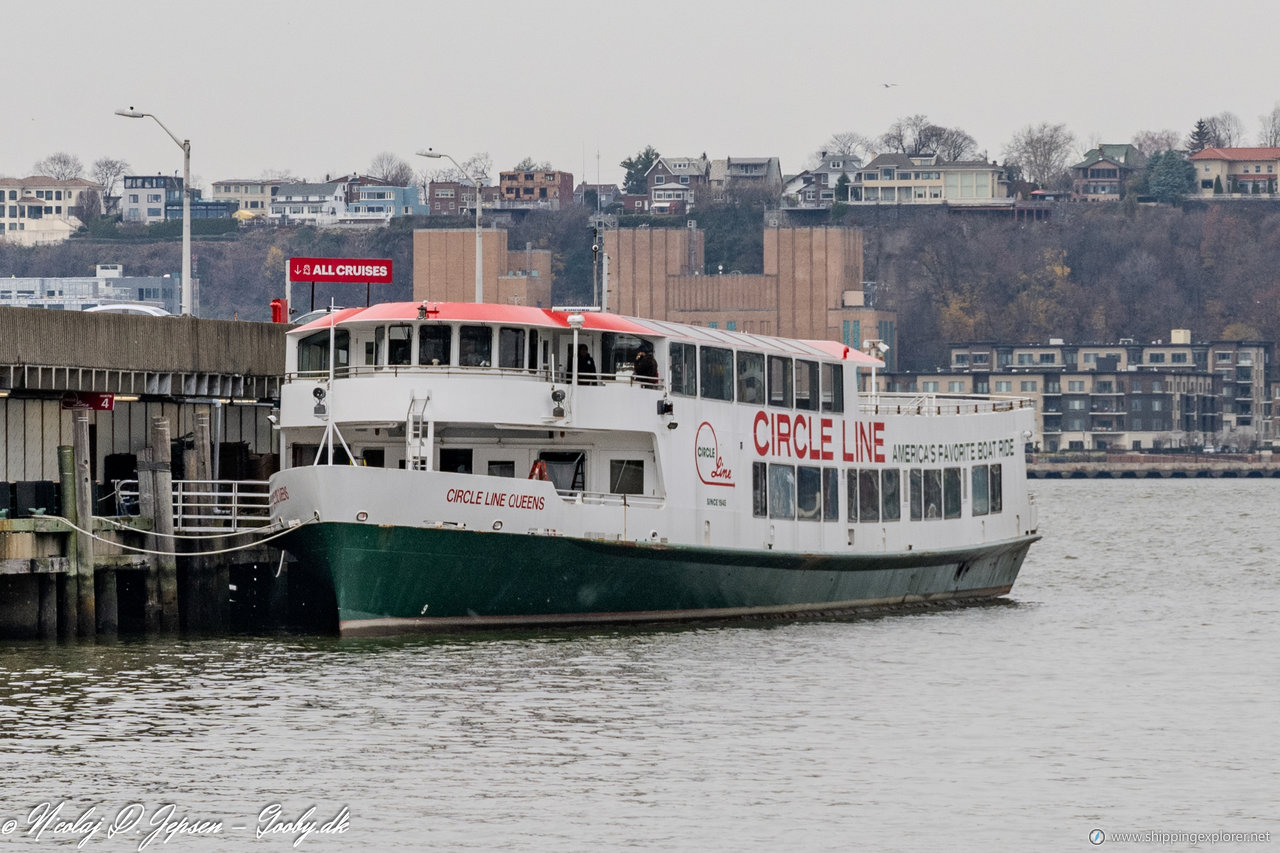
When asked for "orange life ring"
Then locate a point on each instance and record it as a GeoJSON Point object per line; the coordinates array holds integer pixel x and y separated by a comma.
{"type": "Point", "coordinates": [539, 471]}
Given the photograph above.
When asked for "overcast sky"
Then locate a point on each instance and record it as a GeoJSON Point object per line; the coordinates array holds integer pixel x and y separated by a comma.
{"type": "Point", "coordinates": [322, 86]}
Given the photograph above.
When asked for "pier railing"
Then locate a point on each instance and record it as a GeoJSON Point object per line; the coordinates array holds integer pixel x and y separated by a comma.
{"type": "Point", "coordinates": [208, 506]}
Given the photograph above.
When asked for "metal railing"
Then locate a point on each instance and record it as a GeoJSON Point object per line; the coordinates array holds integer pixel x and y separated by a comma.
{"type": "Point", "coordinates": [893, 403]}
{"type": "Point", "coordinates": [207, 506]}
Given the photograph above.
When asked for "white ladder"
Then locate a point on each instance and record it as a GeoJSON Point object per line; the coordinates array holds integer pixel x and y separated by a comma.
{"type": "Point", "coordinates": [419, 435]}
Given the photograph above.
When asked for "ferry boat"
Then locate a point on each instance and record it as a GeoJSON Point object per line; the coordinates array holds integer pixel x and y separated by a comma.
{"type": "Point", "coordinates": [457, 465]}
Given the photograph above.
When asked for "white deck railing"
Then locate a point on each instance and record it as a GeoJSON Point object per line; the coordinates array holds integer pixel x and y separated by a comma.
{"type": "Point", "coordinates": [939, 404]}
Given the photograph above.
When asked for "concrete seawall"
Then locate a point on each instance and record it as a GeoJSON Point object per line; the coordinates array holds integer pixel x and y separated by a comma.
{"type": "Point", "coordinates": [1142, 465]}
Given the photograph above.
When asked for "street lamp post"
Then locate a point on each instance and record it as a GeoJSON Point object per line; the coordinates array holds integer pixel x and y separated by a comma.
{"type": "Point", "coordinates": [436, 155]}
{"type": "Point", "coordinates": [185, 145]}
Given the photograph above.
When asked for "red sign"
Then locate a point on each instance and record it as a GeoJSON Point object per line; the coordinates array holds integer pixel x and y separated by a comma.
{"type": "Point", "coordinates": [344, 270]}
{"type": "Point", "coordinates": [89, 400]}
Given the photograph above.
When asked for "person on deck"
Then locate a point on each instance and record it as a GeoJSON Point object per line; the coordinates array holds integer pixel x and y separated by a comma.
{"type": "Point", "coordinates": [586, 366]}
{"type": "Point", "coordinates": [646, 367]}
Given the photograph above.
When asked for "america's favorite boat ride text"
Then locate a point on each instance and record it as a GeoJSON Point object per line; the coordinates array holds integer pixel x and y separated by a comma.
{"type": "Point", "coordinates": [454, 465]}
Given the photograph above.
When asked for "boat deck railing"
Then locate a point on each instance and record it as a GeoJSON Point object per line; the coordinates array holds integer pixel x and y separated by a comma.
{"type": "Point", "coordinates": [621, 377]}
{"type": "Point", "coordinates": [939, 404]}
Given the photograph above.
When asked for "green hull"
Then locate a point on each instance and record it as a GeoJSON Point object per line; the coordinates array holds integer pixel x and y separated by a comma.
{"type": "Point", "coordinates": [398, 579]}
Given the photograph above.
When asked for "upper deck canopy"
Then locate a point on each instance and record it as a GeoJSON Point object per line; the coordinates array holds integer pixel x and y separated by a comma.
{"type": "Point", "coordinates": [592, 321]}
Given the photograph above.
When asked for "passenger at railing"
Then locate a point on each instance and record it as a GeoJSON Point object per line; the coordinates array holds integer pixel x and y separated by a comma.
{"type": "Point", "coordinates": [646, 372]}
{"type": "Point", "coordinates": [586, 366]}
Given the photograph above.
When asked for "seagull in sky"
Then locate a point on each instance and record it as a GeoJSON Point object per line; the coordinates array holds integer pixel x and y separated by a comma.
{"type": "Point", "coordinates": [888, 85]}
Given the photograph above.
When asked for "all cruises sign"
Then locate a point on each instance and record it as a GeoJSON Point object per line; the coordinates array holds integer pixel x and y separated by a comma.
{"type": "Point", "coordinates": [342, 270]}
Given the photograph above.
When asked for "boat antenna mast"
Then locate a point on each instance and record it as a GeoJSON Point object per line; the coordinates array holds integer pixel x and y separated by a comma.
{"type": "Point", "coordinates": [322, 393]}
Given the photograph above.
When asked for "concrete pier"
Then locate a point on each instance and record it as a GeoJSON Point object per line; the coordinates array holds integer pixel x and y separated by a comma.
{"type": "Point", "coordinates": [1132, 466]}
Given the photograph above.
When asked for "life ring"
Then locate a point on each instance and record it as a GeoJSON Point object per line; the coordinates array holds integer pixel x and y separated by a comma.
{"type": "Point", "coordinates": [539, 471]}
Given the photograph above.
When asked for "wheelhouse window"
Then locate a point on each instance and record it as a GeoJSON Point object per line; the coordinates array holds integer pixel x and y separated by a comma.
{"type": "Point", "coordinates": [619, 351]}
{"type": "Point", "coordinates": [313, 351]}
{"type": "Point", "coordinates": [511, 348]}
{"type": "Point", "coordinates": [684, 369]}
{"type": "Point", "coordinates": [475, 346]}
{"type": "Point", "coordinates": [399, 345]}
{"type": "Point", "coordinates": [782, 491]}
{"type": "Point", "coordinates": [807, 394]}
{"type": "Point", "coordinates": [751, 378]}
{"type": "Point", "coordinates": [717, 373]}
{"type": "Point", "coordinates": [832, 387]}
{"type": "Point", "coordinates": [781, 392]}
{"type": "Point", "coordinates": [434, 342]}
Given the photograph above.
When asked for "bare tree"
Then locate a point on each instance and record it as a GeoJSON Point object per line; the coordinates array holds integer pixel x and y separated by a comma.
{"type": "Point", "coordinates": [529, 164]}
{"type": "Point", "coordinates": [1269, 128]}
{"type": "Point", "coordinates": [1042, 151]}
{"type": "Point", "coordinates": [477, 167]}
{"type": "Point", "coordinates": [847, 144]}
{"type": "Point", "coordinates": [60, 165]}
{"type": "Point", "coordinates": [285, 175]}
{"type": "Point", "coordinates": [392, 169]}
{"type": "Point", "coordinates": [1226, 130]}
{"type": "Point", "coordinates": [1149, 142]}
{"type": "Point", "coordinates": [910, 135]}
{"type": "Point", "coordinates": [106, 171]}
{"type": "Point", "coordinates": [954, 144]}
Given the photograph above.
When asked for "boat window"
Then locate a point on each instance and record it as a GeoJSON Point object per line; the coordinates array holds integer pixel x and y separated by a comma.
{"type": "Point", "coordinates": [374, 457]}
{"type": "Point", "coordinates": [313, 352]}
{"type": "Point", "coordinates": [807, 385]}
{"type": "Point", "coordinates": [533, 349]}
{"type": "Point", "coordinates": [830, 494]}
{"type": "Point", "coordinates": [456, 460]}
{"type": "Point", "coordinates": [626, 476]}
{"type": "Point", "coordinates": [809, 493]}
{"type": "Point", "coordinates": [979, 490]}
{"type": "Point", "coordinates": [759, 490]}
{"type": "Point", "coordinates": [890, 495]}
{"type": "Point", "coordinates": [510, 347]}
{"type": "Point", "coordinates": [717, 373]}
{"type": "Point", "coordinates": [832, 387]}
{"type": "Point", "coordinates": [502, 468]}
{"type": "Point", "coordinates": [751, 377]}
{"type": "Point", "coordinates": [951, 497]}
{"type": "Point", "coordinates": [869, 495]}
{"type": "Point", "coordinates": [475, 346]}
{"type": "Point", "coordinates": [618, 352]}
{"type": "Point", "coordinates": [567, 470]}
{"type": "Point", "coordinates": [684, 367]}
{"type": "Point", "coordinates": [932, 494]}
{"type": "Point", "coordinates": [917, 494]}
{"type": "Point", "coordinates": [782, 491]}
{"type": "Point", "coordinates": [995, 486]}
{"type": "Point", "coordinates": [373, 354]}
{"type": "Point", "coordinates": [434, 343]}
{"type": "Point", "coordinates": [780, 379]}
{"type": "Point", "coordinates": [399, 344]}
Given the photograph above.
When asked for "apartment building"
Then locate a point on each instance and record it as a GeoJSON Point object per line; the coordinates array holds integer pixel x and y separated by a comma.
{"type": "Point", "coordinates": [1126, 395]}
{"type": "Point", "coordinates": [925, 179]}
{"type": "Point", "coordinates": [252, 195]}
{"type": "Point", "coordinates": [144, 197]}
{"type": "Point", "coordinates": [453, 198]}
{"type": "Point", "coordinates": [535, 190]}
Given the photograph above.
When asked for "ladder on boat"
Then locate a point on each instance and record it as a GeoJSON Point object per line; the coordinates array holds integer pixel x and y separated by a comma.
{"type": "Point", "coordinates": [419, 435]}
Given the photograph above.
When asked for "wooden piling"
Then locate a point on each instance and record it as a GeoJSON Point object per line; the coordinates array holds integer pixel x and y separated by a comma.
{"type": "Point", "coordinates": [67, 586]}
{"type": "Point", "coordinates": [86, 605]}
{"type": "Point", "coordinates": [147, 509]}
{"type": "Point", "coordinates": [163, 523]}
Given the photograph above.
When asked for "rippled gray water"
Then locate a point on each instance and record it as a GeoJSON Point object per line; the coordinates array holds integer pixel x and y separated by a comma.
{"type": "Point", "coordinates": [1131, 685]}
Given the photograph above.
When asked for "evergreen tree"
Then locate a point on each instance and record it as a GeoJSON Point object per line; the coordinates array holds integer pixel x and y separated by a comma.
{"type": "Point", "coordinates": [1201, 137]}
{"type": "Point", "coordinates": [1169, 177]}
{"type": "Point", "coordinates": [637, 167]}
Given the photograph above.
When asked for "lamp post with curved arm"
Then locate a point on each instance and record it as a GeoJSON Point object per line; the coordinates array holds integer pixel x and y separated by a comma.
{"type": "Point", "coordinates": [436, 155]}
{"type": "Point", "coordinates": [185, 145]}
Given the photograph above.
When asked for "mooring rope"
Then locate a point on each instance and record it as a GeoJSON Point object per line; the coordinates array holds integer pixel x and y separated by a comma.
{"type": "Point", "coordinates": [193, 536]}
{"type": "Point", "coordinates": [288, 529]}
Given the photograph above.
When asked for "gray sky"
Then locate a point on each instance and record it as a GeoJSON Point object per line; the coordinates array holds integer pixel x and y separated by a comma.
{"type": "Point", "coordinates": [322, 86]}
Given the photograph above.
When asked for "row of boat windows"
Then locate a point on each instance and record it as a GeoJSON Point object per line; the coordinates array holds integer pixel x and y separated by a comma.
{"type": "Point", "coordinates": [715, 373]}
{"type": "Point", "coordinates": [810, 493]}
